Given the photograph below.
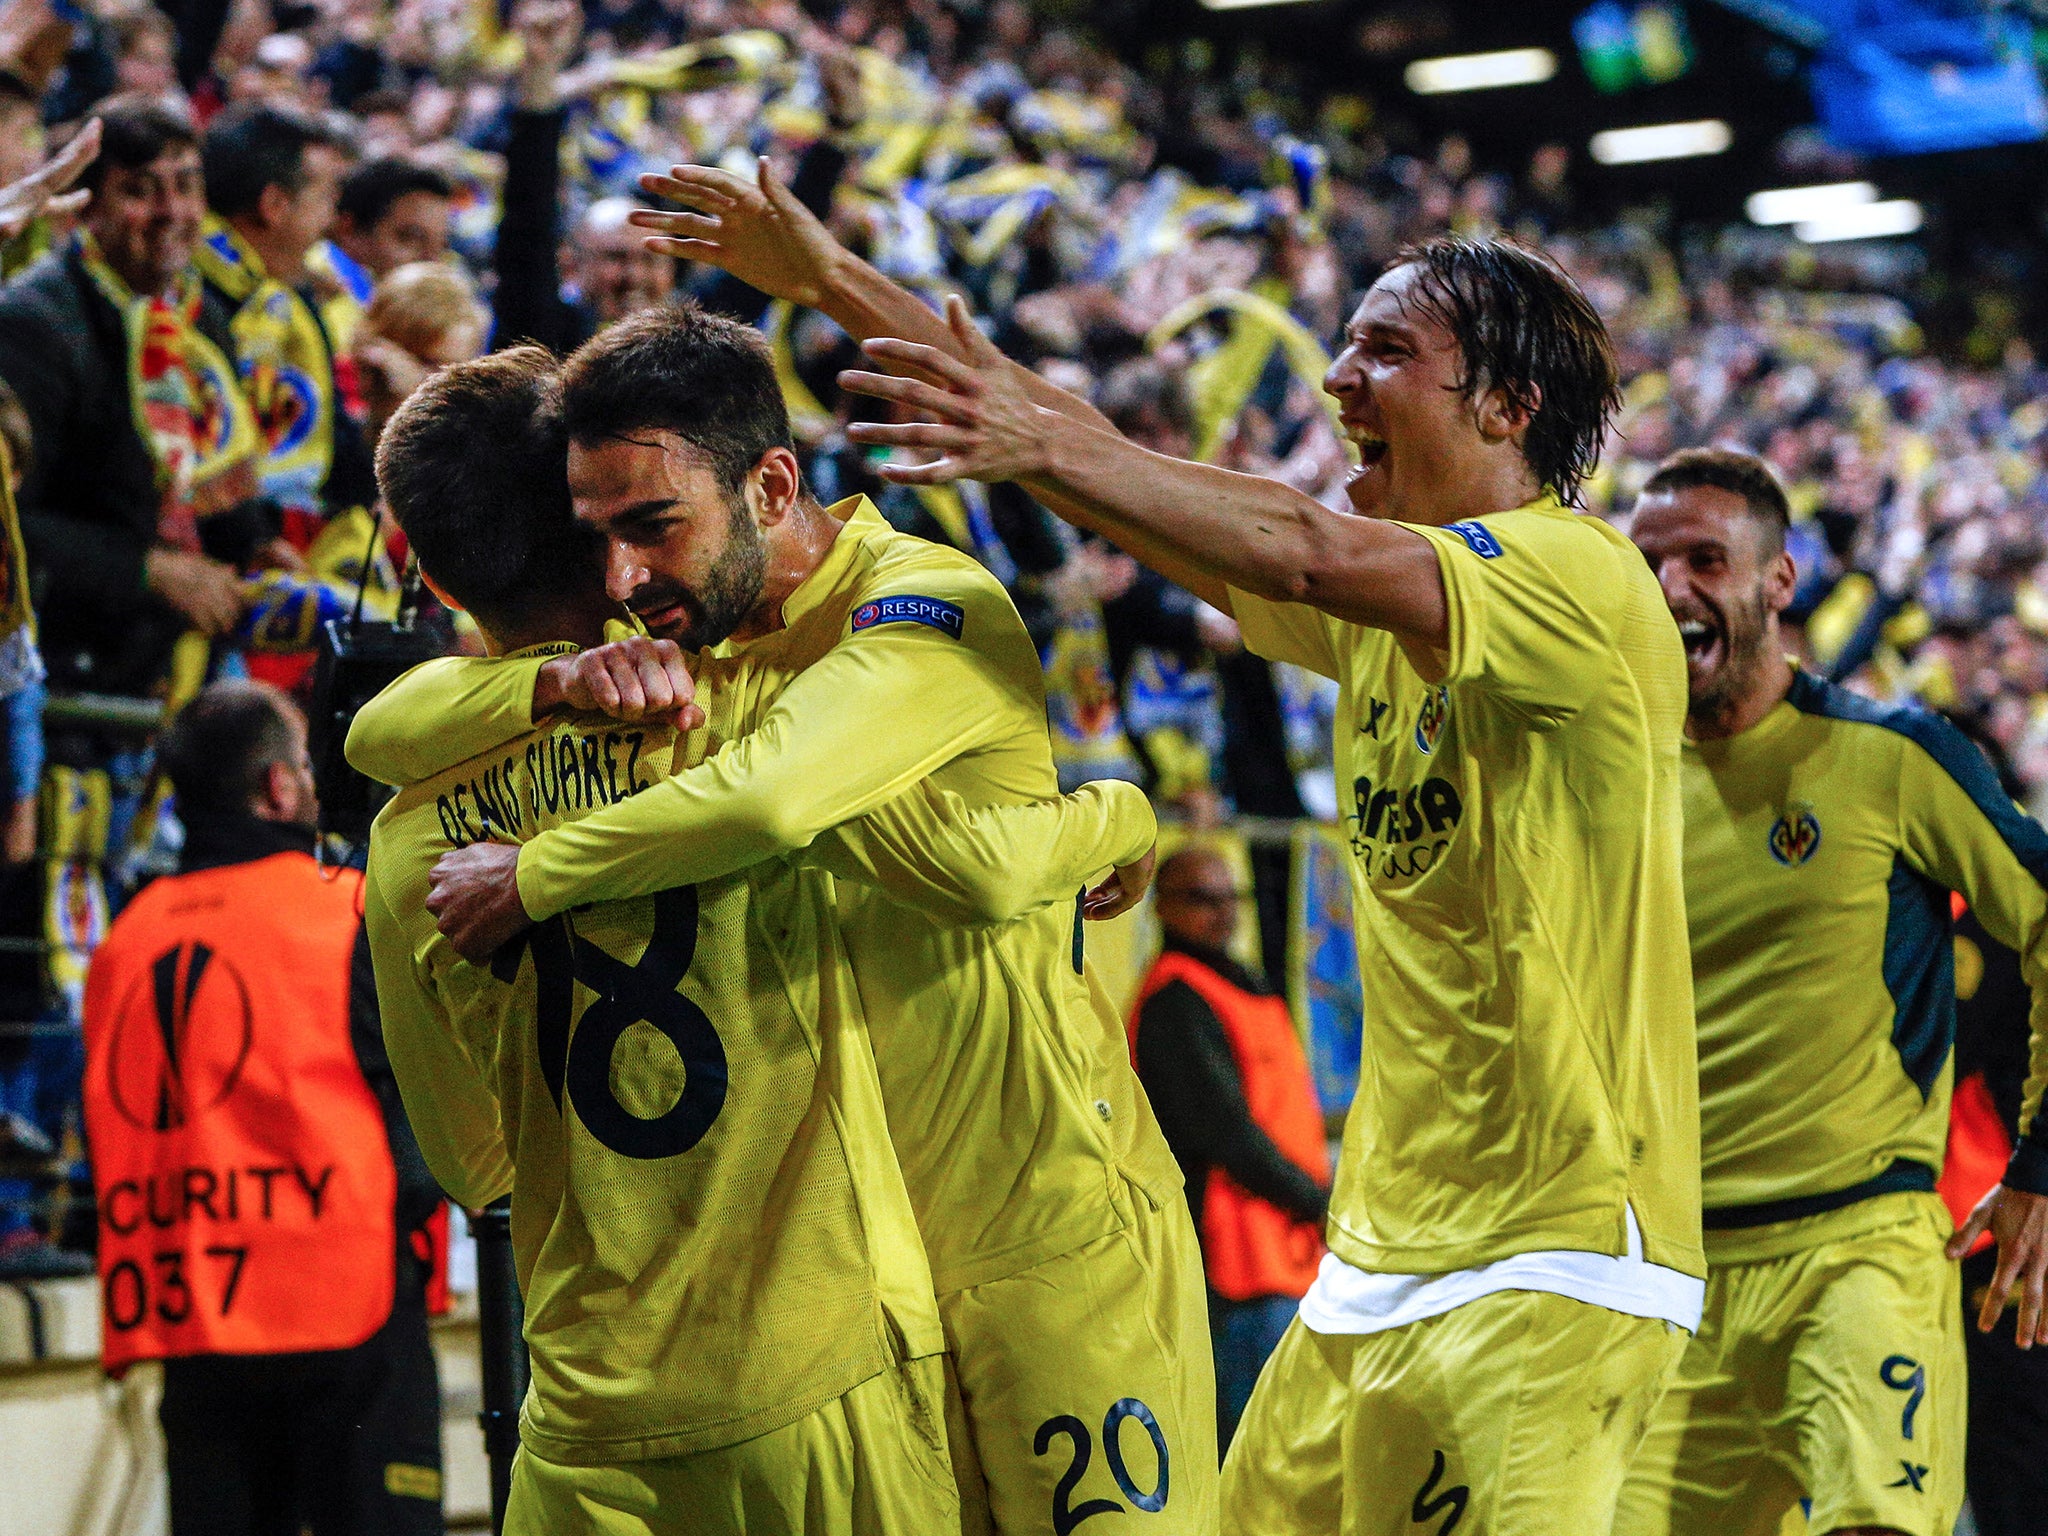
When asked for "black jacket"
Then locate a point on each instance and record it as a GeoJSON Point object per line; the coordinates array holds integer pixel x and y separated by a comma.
{"type": "Point", "coordinates": [1197, 1093]}
{"type": "Point", "coordinates": [89, 502]}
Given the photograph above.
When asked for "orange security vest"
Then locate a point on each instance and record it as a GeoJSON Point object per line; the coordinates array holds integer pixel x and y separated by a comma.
{"type": "Point", "coordinates": [1250, 1246]}
{"type": "Point", "coordinates": [245, 1183]}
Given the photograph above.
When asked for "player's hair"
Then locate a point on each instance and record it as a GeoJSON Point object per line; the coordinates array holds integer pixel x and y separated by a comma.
{"type": "Point", "coordinates": [258, 144]}
{"type": "Point", "coordinates": [472, 466]}
{"type": "Point", "coordinates": [218, 750]}
{"type": "Point", "coordinates": [1741, 474]}
{"type": "Point", "coordinates": [1525, 328]}
{"type": "Point", "coordinates": [679, 369]}
{"type": "Point", "coordinates": [135, 131]}
{"type": "Point", "coordinates": [369, 191]}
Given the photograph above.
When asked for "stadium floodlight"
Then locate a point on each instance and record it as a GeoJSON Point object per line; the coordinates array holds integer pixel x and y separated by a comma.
{"type": "Point", "coordinates": [1661, 141]}
{"type": "Point", "coordinates": [1480, 71]}
{"type": "Point", "coordinates": [1795, 205]}
{"type": "Point", "coordinates": [1865, 221]}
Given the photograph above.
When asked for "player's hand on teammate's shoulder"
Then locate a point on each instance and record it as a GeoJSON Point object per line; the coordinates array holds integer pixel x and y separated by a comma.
{"type": "Point", "coordinates": [2019, 1222]}
{"type": "Point", "coordinates": [474, 896]}
{"type": "Point", "coordinates": [1122, 890]}
{"type": "Point", "coordinates": [636, 679]}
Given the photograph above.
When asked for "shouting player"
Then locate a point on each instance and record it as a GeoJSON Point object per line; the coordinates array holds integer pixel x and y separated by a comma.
{"type": "Point", "coordinates": [1515, 1222]}
{"type": "Point", "coordinates": [1823, 835]}
{"type": "Point", "coordinates": [728, 1307]}
{"type": "Point", "coordinates": [854, 663]}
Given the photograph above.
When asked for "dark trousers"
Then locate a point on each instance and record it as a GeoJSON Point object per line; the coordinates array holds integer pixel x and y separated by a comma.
{"type": "Point", "coordinates": [1243, 1334]}
{"type": "Point", "coordinates": [2006, 1468]}
{"type": "Point", "coordinates": [345, 1441]}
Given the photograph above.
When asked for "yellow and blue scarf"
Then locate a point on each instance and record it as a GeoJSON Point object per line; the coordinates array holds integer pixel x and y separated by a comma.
{"type": "Point", "coordinates": [286, 368]}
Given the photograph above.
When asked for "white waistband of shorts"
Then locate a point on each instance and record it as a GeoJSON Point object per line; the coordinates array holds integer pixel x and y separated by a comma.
{"type": "Point", "coordinates": [1348, 1300]}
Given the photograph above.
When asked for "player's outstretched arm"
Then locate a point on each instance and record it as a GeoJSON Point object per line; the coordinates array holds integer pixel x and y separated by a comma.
{"type": "Point", "coordinates": [764, 236]}
{"type": "Point", "coordinates": [992, 864]}
{"type": "Point", "coordinates": [1257, 535]}
{"type": "Point", "coordinates": [760, 233]}
{"type": "Point", "coordinates": [877, 714]}
{"type": "Point", "coordinates": [445, 712]}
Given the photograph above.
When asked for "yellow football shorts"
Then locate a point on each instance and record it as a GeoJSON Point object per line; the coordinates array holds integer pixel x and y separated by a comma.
{"type": "Point", "coordinates": [1085, 1385]}
{"type": "Point", "coordinates": [1834, 1373]}
{"type": "Point", "coordinates": [1513, 1415]}
{"type": "Point", "coordinates": [871, 1463]}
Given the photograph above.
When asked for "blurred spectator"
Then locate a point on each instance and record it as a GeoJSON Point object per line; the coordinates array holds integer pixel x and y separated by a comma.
{"type": "Point", "coordinates": [258, 1183]}
{"type": "Point", "coordinates": [273, 176]}
{"type": "Point", "coordinates": [390, 211]}
{"type": "Point", "coordinates": [422, 317]}
{"type": "Point", "coordinates": [1217, 1051]}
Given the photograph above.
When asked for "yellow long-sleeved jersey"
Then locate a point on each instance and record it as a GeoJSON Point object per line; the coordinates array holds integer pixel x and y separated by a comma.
{"type": "Point", "coordinates": [1820, 849]}
{"type": "Point", "coordinates": [1528, 1073]}
{"type": "Point", "coordinates": [1004, 1064]}
{"type": "Point", "coordinates": [711, 1232]}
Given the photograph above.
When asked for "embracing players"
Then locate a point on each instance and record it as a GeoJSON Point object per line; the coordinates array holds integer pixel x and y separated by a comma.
{"type": "Point", "coordinates": [1823, 835]}
{"type": "Point", "coordinates": [730, 1316]}
{"type": "Point", "coordinates": [1515, 1225]}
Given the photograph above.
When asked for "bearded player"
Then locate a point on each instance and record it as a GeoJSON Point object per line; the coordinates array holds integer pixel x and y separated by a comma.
{"type": "Point", "coordinates": [728, 1308]}
{"type": "Point", "coordinates": [1515, 1223]}
{"type": "Point", "coordinates": [853, 663]}
{"type": "Point", "coordinates": [1823, 835]}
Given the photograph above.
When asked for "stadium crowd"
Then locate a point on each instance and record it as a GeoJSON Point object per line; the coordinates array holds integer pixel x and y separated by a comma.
{"type": "Point", "coordinates": [372, 191]}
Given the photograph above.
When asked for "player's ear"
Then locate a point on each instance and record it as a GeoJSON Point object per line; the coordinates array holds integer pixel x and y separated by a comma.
{"type": "Point", "coordinates": [1504, 415]}
{"type": "Point", "coordinates": [434, 587]}
{"type": "Point", "coordinates": [1781, 580]}
{"type": "Point", "coordinates": [774, 485]}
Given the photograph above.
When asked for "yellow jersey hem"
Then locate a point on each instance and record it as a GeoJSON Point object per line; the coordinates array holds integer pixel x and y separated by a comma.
{"type": "Point", "coordinates": [595, 1451]}
{"type": "Point", "coordinates": [1549, 1237]}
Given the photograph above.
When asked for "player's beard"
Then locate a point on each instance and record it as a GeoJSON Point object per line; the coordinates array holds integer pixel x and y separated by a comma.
{"type": "Point", "coordinates": [728, 593]}
{"type": "Point", "coordinates": [1745, 654]}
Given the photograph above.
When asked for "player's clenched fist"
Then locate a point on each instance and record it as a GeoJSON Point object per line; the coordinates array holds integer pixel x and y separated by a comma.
{"type": "Point", "coordinates": [633, 679]}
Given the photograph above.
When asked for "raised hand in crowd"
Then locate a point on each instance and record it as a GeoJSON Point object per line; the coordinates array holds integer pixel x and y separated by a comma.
{"type": "Point", "coordinates": [548, 32]}
{"type": "Point", "coordinates": [43, 190]}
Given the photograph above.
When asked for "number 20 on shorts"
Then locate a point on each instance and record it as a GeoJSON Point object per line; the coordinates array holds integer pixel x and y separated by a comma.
{"type": "Point", "coordinates": [1066, 1515]}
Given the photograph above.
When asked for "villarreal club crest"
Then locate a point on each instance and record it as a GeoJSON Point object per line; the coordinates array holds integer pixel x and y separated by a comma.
{"type": "Point", "coordinates": [1795, 836]}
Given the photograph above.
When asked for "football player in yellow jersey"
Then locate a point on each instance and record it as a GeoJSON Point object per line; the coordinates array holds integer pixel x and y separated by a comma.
{"type": "Point", "coordinates": [1823, 835]}
{"type": "Point", "coordinates": [851, 663]}
{"type": "Point", "coordinates": [1515, 1224]}
{"type": "Point", "coordinates": [729, 1311]}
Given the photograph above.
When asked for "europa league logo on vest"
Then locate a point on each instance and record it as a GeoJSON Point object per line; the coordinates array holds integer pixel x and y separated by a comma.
{"type": "Point", "coordinates": [181, 1053]}
{"type": "Point", "coordinates": [1795, 836]}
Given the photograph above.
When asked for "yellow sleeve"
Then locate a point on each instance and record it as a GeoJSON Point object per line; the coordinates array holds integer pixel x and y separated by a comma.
{"type": "Point", "coordinates": [1960, 829]}
{"type": "Point", "coordinates": [1285, 632]}
{"type": "Point", "coordinates": [988, 864]}
{"type": "Point", "coordinates": [442, 713]}
{"type": "Point", "coordinates": [880, 711]}
{"type": "Point", "coordinates": [453, 1113]}
{"type": "Point", "coordinates": [1535, 607]}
